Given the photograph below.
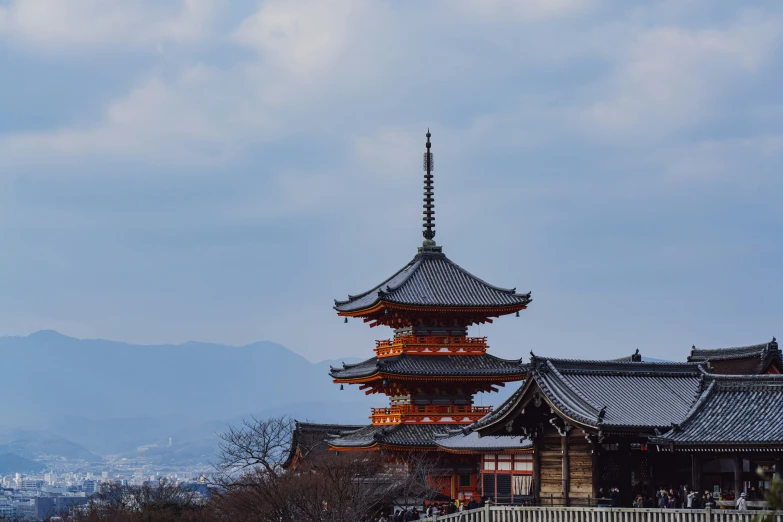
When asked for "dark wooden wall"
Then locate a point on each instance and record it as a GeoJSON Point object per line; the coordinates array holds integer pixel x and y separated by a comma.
{"type": "Point", "coordinates": [551, 464]}
{"type": "Point", "coordinates": [580, 468]}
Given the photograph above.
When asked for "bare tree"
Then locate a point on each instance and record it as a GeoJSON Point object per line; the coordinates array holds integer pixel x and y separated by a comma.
{"type": "Point", "coordinates": [151, 502]}
{"type": "Point", "coordinates": [415, 475]}
{"type": "Point", "coordinates": [255, 486]}
{"type": "Point", "coordinates": [255, 444]}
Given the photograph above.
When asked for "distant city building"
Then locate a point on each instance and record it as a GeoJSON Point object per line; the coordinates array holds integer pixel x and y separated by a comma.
{"type": "Point", "coordinates": [7, 510]}
{"type": "Point", "coordinates": [30, 484]}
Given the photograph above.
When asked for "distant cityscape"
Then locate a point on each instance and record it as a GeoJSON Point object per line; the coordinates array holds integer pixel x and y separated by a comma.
{"type": "Point", "coordinates": [65, 485]}
{"type": "Point", "coordinates": [56, 452]}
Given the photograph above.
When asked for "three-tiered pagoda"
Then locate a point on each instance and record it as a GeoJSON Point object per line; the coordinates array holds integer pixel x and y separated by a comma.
{"type": "Point", "coordinates": [430, 369]}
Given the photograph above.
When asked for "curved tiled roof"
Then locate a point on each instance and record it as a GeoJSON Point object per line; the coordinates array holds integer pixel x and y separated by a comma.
{"type": "Point", "coordinates": [472, 442]}
{"type": "Point", "coordinates": [432, 279]}
{"type": "Point", "coordinates": [610, 393]}
{"type": "Point", "coordinates": [734, 410]}
{"type": "Point", "coordinates": [433, 365]}
{"type": "Point", "coordinates": [410, 435]}
{"type": "Point", "coordinates": [737, 352]}
{"type": "Point", "coordinates": [309, 438]}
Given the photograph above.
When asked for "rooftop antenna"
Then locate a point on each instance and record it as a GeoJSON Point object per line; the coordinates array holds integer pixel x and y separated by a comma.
{"type": "Point", "coordinates": [429, 196]}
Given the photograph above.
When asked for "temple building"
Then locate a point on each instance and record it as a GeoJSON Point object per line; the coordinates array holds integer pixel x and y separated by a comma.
{"type": "Point", "coordinates": [430, 369]}
{"type": "Point", "coordinates": [758, 358]}
{"type": "Point", "coordinates": [639, 426]}
{"type": "Point", "coordinates": [573, 428]}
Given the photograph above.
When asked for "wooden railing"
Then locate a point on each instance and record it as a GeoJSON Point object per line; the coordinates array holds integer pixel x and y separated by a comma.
{"type": "Point", "coordinates": [431, 345]}
{"type": "Point", "coordinates": [429, 413]}
{"type": "Point", "coordinates": [572, 514]}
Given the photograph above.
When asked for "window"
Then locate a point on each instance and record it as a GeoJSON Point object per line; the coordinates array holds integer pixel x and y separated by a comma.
{"type": "Point", "coordinates": [523, 466]}
{"type": "Point", "coordinates": [489, 485]}
{"type": "Point", "coordinates": [489, 465]}
{"type": "Point", "coordinates": [504, 466]}
{"type": "Point", "coordinates": [464, 481]}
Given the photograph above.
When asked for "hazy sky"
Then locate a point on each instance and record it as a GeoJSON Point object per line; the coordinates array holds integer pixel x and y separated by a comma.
{"type": "Point", "coordinates": [220, 171]}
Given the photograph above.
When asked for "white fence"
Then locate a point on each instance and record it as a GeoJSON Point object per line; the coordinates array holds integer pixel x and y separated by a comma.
{"type": "Point", "coordinates": [574, 514]}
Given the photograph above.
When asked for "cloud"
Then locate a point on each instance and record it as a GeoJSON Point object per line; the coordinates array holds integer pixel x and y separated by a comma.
{"type": "Point", "coordinates": [301, 36]}
{"type": "Point", "coordinates": [525, 10]}
{"type": "Point", "coordinates": [671, 76]}
{"type": "Point", "coordinates": [747, 162]}
{"type": "Point", "coordinates": [54, 24]}
{"type": "Point", "coordinates": [205, 115]}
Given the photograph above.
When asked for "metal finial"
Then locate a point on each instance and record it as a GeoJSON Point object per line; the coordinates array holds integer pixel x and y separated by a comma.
{"type": "Point", "coordinates": [429, 195]}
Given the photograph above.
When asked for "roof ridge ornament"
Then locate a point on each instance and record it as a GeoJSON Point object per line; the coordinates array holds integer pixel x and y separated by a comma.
{"type": "Point", "coordinates": [429, 196]}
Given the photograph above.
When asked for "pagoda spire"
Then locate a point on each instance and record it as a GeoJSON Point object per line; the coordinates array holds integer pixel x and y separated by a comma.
{"type": "Point", "coordinates": [429, 196]}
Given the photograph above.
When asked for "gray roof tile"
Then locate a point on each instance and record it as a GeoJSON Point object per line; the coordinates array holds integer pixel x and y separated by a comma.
{"type": "Point", "coordinates": [620, 394]}
{"type": "Point", "coordinates": [610, 393]}
{"type": "Point", "coordinates": [396, 435]}
{"type": "Point", "coordinates": [432, 279]}
{"type": "Point", "coordinates": [733, 410]}
{"type": "Point", "coordinates": [737, 352]}
{"type": "Point", "coordinates": [433, 365]}
{"type": "Point", "coordinates": [459, 441]}
{"type": "Point", "coordinates": [309, 439]}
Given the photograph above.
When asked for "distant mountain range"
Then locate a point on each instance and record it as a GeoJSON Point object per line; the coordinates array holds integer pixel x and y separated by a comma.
{"type": "Point", "coordinates": [12, 463]}
{"type": "Point", "coordinates": [86, 397]}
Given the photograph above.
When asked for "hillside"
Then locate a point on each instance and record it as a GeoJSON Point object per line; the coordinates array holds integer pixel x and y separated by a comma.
{"type": "Point", "coordinates": [110, 397]}
{"type": "Point", "coordinates": [59, 376]}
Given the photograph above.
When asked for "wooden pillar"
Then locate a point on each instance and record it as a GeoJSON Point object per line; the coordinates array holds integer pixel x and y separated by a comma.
{"type": "Point", "coordinates": [537, 469]}
{"type": "Point", "coordinates": [624, 447]}
{"type": "Point", "coordinates": [595, 455]}
{"type": "Point", "coordinates": [737, 476]}
{"type": "Point", "coordinates": [779, 467]}
{"type": "Point", "coordinates": [754, 479]}
{"type": "Point", "coordinates": [564, 450]}
{"type": "Point", "coordinates": [696, 466]}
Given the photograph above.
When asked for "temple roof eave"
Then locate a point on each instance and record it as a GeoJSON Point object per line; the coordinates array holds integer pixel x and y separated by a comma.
{"type": "Point", "coordinates": [381, 305]}
{"type": "Point", "coordinates": [733, 411]}
{"type": "Point", "coordinates": [431, 280]}
{"type": "Point", "coordinates": [484, 366]}
{"type": "Point", "coordinates": [400, 436]}
{"type": "Point", "coordinates": [597, 394]}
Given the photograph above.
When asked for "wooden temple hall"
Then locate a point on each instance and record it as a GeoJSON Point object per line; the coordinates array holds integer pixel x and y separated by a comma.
{"type": "Point", "coordinates": [572, 429]}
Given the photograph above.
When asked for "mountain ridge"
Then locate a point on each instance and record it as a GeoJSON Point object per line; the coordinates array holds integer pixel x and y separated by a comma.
{"type": "Point", "coordinates": [111, 397]}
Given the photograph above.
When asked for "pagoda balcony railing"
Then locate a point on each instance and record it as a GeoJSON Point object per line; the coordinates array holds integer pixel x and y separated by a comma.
{"type": "Point", "coordinates": [428, 414]}
{"type": "Point", "coordinates": [431, 345]}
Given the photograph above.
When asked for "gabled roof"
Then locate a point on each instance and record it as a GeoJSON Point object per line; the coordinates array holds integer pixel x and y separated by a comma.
{"type": "Point", "coordinates": [433, 365]}
{"type": "Point", "coordinates": [737, 352]}
{"type": "Point", "coordinates": [402, 435]}
{"type": "Point", "coordinates": [733, 410]}
{"type": "Point", "coordinates": [498, 412]}
{"type": "Point", "coordinates": [433, 280]}
{"type": "Point", "coordinates": [607, 394]}
{"type": "Point", "coordinates": [310, 439]}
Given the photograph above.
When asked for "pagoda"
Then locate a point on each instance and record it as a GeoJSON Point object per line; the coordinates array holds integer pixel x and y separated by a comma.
{"type": "Point", "coordinates": [430, 369]}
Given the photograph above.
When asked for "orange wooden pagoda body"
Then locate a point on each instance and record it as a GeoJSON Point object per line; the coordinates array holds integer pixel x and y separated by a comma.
{"type": "Point", "coordinates": [430, 369]}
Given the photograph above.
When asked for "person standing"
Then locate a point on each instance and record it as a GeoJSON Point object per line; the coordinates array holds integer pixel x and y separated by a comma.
{"type": "Point", "coordinates": [614, 497]}
{"type": "Point", "coordinates": [742, 503]}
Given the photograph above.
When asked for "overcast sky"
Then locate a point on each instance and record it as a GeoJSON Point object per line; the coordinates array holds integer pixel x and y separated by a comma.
{"type": "Point", "coordinates": [221, 171]}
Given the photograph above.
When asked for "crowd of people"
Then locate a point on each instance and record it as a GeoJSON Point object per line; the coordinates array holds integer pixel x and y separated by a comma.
{"type": "Point", "coordinates": [433, 509]}
{"type": "Point", "coordinates": [680, 497]}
